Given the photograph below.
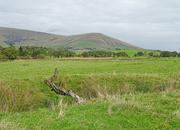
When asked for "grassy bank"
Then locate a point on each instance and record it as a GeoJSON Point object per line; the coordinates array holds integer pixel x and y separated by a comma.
{"type": "Point", "coordinates": [126, 93]}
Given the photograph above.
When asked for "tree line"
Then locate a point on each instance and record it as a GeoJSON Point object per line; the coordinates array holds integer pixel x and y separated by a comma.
{"type": "Point", "coordinates": [162, 54]}
{"type": "Point", "coordinates": [32, 52]}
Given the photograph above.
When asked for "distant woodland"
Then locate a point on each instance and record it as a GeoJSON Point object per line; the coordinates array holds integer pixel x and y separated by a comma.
{"type": "Point", "coordinates": [32, 52]}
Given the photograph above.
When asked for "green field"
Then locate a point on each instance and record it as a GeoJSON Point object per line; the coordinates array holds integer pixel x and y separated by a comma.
{"type": "Point", "coordinates": [119, 93]}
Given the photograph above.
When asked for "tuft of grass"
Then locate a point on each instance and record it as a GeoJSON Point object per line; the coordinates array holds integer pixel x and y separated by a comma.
{"type": "Point", "coordinates": [7, 125]}
{"type": "Point", "coordinates": [62, 83]}
{"type": "Point", "coordinates": [14, 100]}
{"type": "Point", "coordinates": [61, 113]}
{"type": "Point", "coordinates": [91, 89]}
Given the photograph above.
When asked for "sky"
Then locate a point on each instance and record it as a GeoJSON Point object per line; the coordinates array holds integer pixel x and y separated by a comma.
{"type": "Point", "coordinates": [150, 24]}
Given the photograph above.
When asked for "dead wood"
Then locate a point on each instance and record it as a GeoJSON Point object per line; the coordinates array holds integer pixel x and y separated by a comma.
{"type": "Point", "coordinates": [51, 107]}
{"type": "Point", "coordinates": [50, 83]}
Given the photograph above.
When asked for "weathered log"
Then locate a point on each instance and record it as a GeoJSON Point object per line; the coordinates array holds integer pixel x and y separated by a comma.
{"type": "Point", "coordinates": [50, 83]}
{"type": "Point", "coordinates": [76, 98]}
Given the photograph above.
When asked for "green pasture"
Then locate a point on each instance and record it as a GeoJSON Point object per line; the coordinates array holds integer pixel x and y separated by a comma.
{"type": "Point", "coordinates": [119, 93]}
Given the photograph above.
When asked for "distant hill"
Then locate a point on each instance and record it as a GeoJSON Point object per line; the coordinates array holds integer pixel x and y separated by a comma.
{"type": "Point", "coordinates": [90, 41]}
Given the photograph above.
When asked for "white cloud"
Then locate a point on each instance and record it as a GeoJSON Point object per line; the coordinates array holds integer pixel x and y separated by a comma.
{"type": "Point", "coordinates": [149, 24]}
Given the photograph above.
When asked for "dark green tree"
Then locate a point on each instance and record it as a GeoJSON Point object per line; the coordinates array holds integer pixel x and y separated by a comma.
{"type": "Point", "coordinates": [178, 54]}
{"type": "Point", "coordinates": [50, 51]}
{"type": "Point", "coordinates": [35, 53]}
{"type": "Point", "coordinates": [140, 53]}
{"type": "Point", "coordinates": [150, 53]}
{"type": "Point", "coordinates": [121, 54]}
{"type": "Point", "coordinates": [85, 54]}
{"type": "Point", "coordinates": [11, 53]}
{"type": "Point", "coordinates": [55, 54]}
{"type": "Point", "coordinates": [22, 51]}
{"type": "Point", "coordinates": [174, 54]}
{"type": "Point", "coordinates": [165, 54]}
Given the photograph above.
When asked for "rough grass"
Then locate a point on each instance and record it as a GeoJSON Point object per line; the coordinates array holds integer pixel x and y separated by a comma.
{"type": "Point", "coordinates": [119, 94]}
{"type": "Point", "coordinates": [16, 99]}
{"type": "Point", "coordinates": [140, 111]}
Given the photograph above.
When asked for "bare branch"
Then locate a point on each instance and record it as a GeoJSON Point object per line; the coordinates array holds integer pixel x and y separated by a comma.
{"type": "Point", "coordinates": [55, 75]}
{"type": "Point", "coordinates": [75, 97]}
{"type": "Point", "coordinates": [50, 83]}
{"type": "Point", "coordinates": [54, 88]}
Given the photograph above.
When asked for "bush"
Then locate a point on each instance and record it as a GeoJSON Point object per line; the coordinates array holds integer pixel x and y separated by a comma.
{"type": "Point", "coordinates": [4, 57]}
{"type": "Point", "coordinates": [140, 53]}
{"type": "Point", "coordinates": [11, 53]}
{"type": "Point", "coordinates": [150, 53]}
{"type": "Point", "coordinates": [166, 54]}
{"type": "Point", "coordinates": [121, 54]}
{"type": "Point", "coordinates": [174, 54]}
{"type": "Point", "coordinates": [41, 56]}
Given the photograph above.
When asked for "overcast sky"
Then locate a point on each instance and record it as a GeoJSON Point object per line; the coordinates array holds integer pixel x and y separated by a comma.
{"type": "Point", "coordinates": [151, 24]}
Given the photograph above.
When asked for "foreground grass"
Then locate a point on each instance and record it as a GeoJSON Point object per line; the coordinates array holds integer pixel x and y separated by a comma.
{"type": "Point", "coordinates": [121, 94]}
{"type": "Point", "coordinates": [141, 111]}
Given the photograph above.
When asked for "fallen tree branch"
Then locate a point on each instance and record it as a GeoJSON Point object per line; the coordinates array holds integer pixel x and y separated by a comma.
{"type": "Point", "coordinates": [50, 83]}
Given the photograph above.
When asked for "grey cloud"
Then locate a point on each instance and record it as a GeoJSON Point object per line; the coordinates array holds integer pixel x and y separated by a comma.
{"type": "Point", "coordinates": [150, 24]}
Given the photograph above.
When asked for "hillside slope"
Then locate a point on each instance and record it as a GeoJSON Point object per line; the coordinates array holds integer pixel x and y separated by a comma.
{"type": "Point", "coordinates": [90, 41]}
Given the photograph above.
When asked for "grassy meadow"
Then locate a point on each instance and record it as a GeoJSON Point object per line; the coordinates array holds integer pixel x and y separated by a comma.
{"type": "Point", "coordinates": [119, 93]}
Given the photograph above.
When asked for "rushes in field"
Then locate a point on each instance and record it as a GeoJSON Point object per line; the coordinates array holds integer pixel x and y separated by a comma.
{"type": "Point", "coordinates": [13, 99]}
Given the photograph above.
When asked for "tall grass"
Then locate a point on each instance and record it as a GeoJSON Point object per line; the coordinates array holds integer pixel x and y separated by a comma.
{"type": "Point", "coordinates": [119, 94]}
{"type": "Point", "coordinates": [101, 86]}
{"type": "Point", "coordinates": [13, 99]}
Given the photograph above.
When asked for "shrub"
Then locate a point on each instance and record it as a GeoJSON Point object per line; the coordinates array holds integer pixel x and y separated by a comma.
{"type": "Point", "coordinates": [140, 53]}
{"type": "Point", "coordinates": [123, 54]}
{"type": "Point", "coordinates": [166, 54]}
{"type": "Point", "coordinates": [150, 53]}
{"type": "Point", "coordinates": [11, 53]}
{"type": "Point", "coordinates": [174, 54]}
{"type": "Point", "coordinates": [4, 57]}
{"type": "Point", "coordinates": [41, 56]}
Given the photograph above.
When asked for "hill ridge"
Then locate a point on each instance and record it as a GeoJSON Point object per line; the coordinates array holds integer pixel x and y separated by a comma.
{"type": "Point", "coordinates": [87, 41]}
